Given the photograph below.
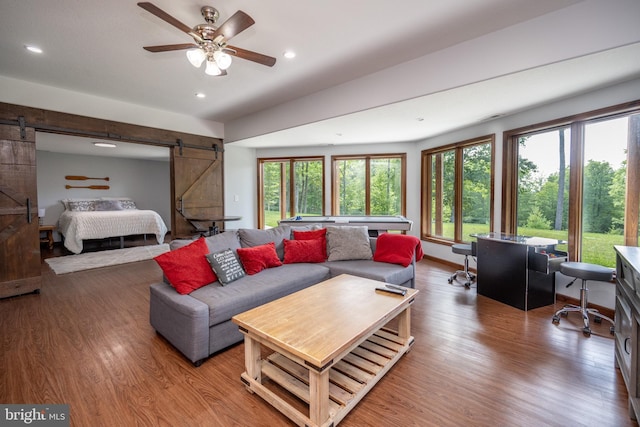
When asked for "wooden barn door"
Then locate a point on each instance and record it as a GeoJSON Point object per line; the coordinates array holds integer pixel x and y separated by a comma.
{"type": "Point", "coordinates": [196, 188]}
{"type": "Point", "coordinates": [20, 269]}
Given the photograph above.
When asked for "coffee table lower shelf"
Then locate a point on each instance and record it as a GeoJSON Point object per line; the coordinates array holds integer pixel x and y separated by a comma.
{"type": "Point", "coordinates": [350, 378]}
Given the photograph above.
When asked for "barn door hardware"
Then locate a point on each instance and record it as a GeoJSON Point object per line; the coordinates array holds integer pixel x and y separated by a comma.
{"type": "Point", "coordinates": [23, 127]}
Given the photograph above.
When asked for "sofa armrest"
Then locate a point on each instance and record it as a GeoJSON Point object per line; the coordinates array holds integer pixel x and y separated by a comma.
{"type": "Point", "coordinates": [181, 319]}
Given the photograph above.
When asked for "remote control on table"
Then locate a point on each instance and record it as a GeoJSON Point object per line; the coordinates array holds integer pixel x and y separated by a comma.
{"type": "Point", "coordinates": [392, 290]}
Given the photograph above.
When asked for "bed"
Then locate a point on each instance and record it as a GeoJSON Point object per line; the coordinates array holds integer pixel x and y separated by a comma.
{"type": "Point", "coordinates": [85, 219]}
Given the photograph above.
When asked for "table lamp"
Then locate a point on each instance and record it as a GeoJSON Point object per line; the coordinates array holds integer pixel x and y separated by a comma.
{"type": "Point", "coordinates": [41, 212]}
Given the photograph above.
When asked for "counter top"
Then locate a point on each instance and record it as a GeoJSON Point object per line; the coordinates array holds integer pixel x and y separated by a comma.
{"type": "Point", "coordinates": [631, 254]}
{"type": "Point", "coordinates": [519, 239]}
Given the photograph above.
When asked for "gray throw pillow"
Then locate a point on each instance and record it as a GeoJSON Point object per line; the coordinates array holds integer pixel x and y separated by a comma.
{"type": "Point", "coordinates": [226, 266]}
{"type": "Point", "coordinates": [254, 237]}
{"type": "Point", "coordinates": [348, 242]}
{"type": "Point", "coordinates": [107, 205]}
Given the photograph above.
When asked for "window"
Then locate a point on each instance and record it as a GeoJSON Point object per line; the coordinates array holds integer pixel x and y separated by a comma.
{"type": "Point", "coordinates": [457, 190]}
{"type": "Point", "coordinates": [369, 185]}
{"type": "Point", "coordinates": [279, 179]}
{"type": "Point", "coordinates": [569, 180]}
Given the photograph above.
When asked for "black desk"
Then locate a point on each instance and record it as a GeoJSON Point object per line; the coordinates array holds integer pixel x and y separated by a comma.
{"type": "Point", "coordinates": [211, 229]}
{"type": "Point", "coordinates": [518, 270]}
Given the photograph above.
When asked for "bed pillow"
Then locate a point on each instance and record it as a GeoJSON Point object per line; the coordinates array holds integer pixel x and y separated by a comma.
{"type": "Point", "coordinates": [348, 242]}
{"type": "Point", "coordinates": [226, 266]}
{"type": "Point", "coordinates": [81, 205]}
{"type": "Point", "coordinates": [125, 202]}
{"type": "Point", "coordinates": [312, 250]}
{"type": "Point", "coordinates": [107, 205]}
{"type": "Point", "coordinates": [310, 235]}
{"type": "Point", "coordinates": [258, 258]}
{"type": "Point", "coordinates": [187, 268]}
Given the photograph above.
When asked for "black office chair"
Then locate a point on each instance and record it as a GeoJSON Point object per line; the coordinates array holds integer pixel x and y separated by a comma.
{"type": "Point", "coordinates": [467, 250]}
{"type": "Point", "coordinates": [584, 271]}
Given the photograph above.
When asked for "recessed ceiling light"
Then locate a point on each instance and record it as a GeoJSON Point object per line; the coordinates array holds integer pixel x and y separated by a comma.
{"type": "Point", "coordinates": [289, 54]}
{"type": "Point", "coordinates": [104, 144]}
{"type": "Point", "coordinates": [201, 95]}
{"type": "Point", "coordinates": [34, 49]}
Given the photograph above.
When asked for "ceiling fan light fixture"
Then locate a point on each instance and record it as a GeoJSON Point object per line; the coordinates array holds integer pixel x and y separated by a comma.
{"type": "Point", "coordinates": [222, 59]}
{"type": "Point", "coordinates": [196, 57]}
{"type": "Point", "coordinates": [212, 69]}
{"type": "Point", "coordinates": [104, 144]}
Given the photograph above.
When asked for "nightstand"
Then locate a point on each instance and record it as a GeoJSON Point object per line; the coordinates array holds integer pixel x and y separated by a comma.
{"type": "Point", "coordinates": [48, 229]}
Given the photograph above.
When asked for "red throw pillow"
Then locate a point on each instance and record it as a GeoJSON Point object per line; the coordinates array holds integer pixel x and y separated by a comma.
{"type": "Point", "coordinates": [397, 249]}
{"type": "Point", "coordinates": [311, 235]}
{"type": "Point", "coordinates": [187, 267]}
{"type": "Point", "coordinates": [313, 250]}
{"type": "Point", "coordinates": [257, 258]}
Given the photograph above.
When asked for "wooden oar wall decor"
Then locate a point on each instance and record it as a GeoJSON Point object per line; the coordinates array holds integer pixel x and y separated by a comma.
{"type": "Point", "coordinates": [85, 178]}
{"type": "Point", "coordinates": [90, 187]}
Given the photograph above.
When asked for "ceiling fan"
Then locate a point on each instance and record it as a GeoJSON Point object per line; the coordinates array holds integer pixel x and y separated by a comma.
{"type": "Point", "coordinates": [210, 41]}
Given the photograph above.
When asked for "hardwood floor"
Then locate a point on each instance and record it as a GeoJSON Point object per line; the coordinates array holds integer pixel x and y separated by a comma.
{"type": "Point", "coordinates": [85, 340]}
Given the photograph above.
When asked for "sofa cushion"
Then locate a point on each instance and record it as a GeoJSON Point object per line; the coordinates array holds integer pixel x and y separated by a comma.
{"type": "Point", "coordinates": [187, 268]}
{"type": "Point", "coordinates": [314, 234]}
{"type": "Point", "coordinates": [258, 258]}
{"type": "Point", "coordinates": [226, 266]}
{"type": "Point", "coordinates": [382, 271]}
{"type": "Point", "coordinates": [252, 291]}
{"type": "Point", "coordinates": [348, 242]}
{"type": "Point", "coordinates": [253, 237]}
{"type": "Point", "coordinates": [313, 250]}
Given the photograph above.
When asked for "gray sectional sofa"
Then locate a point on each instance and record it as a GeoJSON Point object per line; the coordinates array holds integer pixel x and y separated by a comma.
{"type": "Point", "coordinates": [199, 324]}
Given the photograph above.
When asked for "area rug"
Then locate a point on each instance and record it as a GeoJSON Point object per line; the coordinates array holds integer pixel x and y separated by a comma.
{"type": "Point", "coordinates": [90, 260]}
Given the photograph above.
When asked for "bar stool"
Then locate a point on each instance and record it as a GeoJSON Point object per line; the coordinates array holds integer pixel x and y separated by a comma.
{"type": "Point", "coordinates": [467, 251]}
{"type": "Point", "coordinates": [584, 271]}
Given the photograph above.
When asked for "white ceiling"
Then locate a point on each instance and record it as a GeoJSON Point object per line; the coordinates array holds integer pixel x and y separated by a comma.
{"type": "Point", "coordinates": [95, 47]}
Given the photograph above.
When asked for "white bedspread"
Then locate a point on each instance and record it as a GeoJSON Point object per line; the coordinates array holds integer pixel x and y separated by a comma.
{"type": "Point", "coordinates": [79, 226]}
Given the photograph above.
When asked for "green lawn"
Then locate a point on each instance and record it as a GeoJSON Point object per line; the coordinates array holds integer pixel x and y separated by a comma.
{"type": "Point", "coordinates": [596, 248]}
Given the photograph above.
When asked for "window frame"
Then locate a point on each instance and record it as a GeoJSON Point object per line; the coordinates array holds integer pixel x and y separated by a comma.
{"type": "Point", "coordinates": [427, 187]}
{"type": "Point", "coordinates": [577, 125]}
{"type": "Point", "coordinates": [290, 188]}
{"type": "Point", "coordinates": [335, 185]}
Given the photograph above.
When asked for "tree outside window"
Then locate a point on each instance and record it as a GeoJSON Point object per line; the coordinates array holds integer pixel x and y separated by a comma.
{"type": "Point", "coordinates": [573, 183]}
{"type": "Point", "coordinates": [458, 190]}
{"type": "Point", "coordinates": [369, 185]}
{"type": "Point", "coordinates": [289, 187]}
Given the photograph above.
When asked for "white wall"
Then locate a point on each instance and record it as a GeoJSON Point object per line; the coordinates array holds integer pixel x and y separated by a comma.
{"type": "Point", "coordinates": [240, 186]}
{"type": "Point", "coordinates": [29, 94]}
{"type": "Point", "coordinates": [146, 182]}
{"type": "Point", "coordinates": [587, 27]}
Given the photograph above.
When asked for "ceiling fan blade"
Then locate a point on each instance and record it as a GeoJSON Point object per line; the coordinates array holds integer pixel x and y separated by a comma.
{"type": "Point", "coordinates": [269, 61]}
{"type": "Point", "coordinates": [155, 10]}
{"type": "Point", "coordinates": [169, 47]}
{"type": "Point", "coordinates": [239, 22]}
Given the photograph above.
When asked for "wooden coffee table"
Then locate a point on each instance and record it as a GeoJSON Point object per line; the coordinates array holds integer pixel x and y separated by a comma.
{"type": "Point", "coordinates": [330, 346]}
